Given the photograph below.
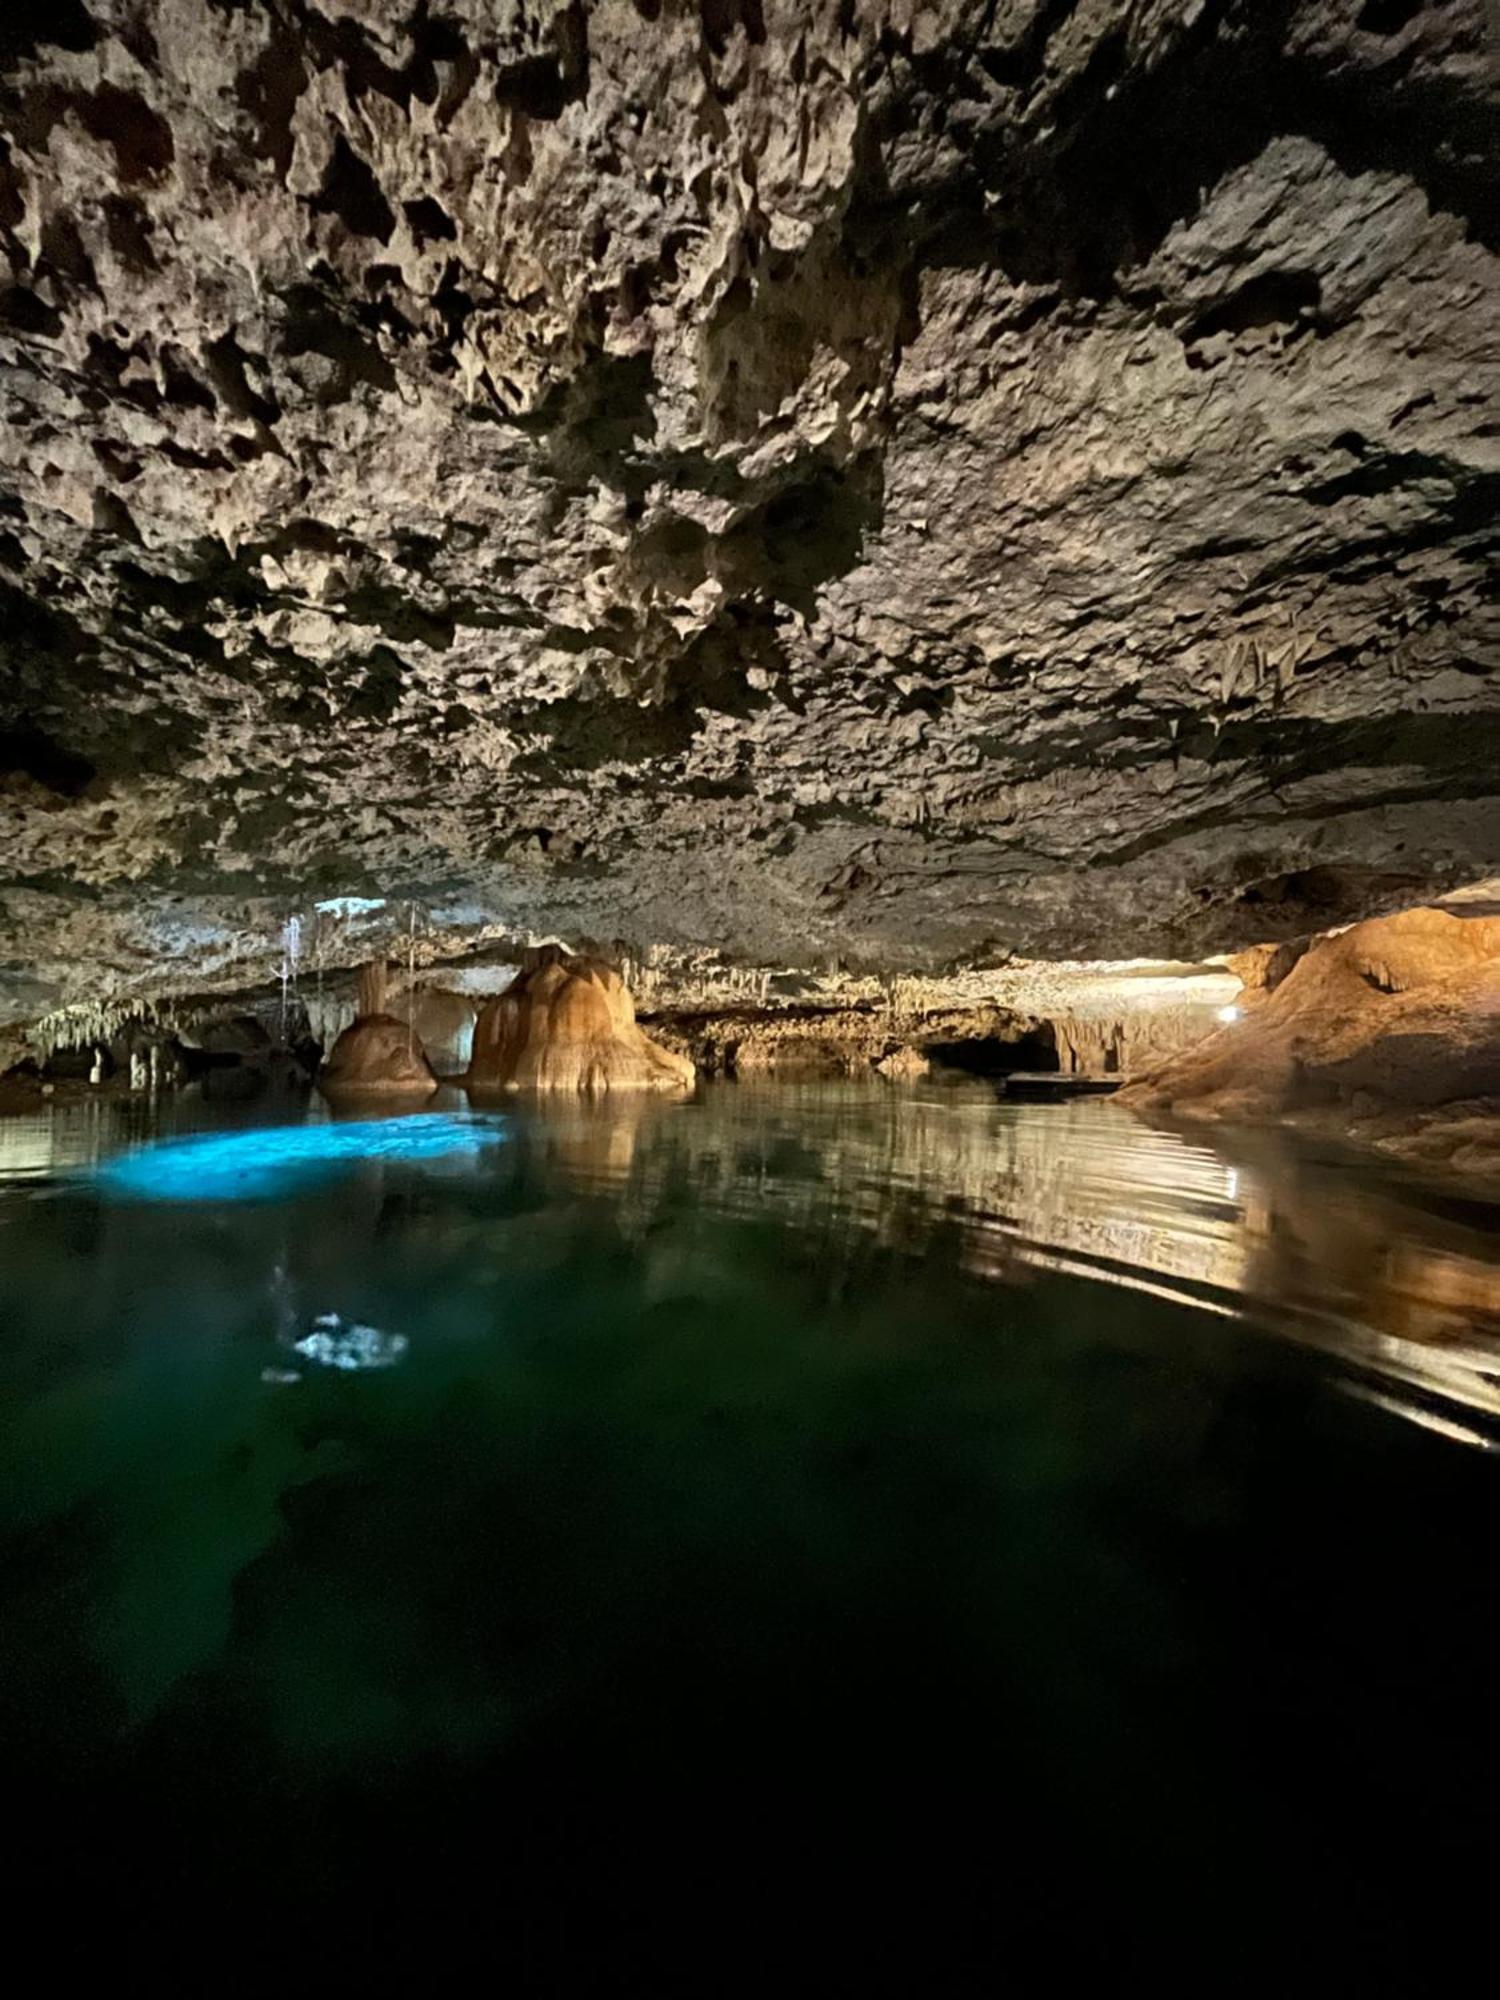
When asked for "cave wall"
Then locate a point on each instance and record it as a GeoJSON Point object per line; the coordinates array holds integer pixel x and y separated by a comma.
{"type": "Point", "coordinates": [884, 483]}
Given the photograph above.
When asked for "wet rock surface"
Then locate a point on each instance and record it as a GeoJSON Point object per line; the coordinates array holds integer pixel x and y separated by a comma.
{"type": "Point", "coordinates": [894, 484]}
{"type": "Point", "coordinates": [1389, 1030]}
{"type": "Point", "coordinates": [378, 1053]}
{"type": "Point", "coordinates": [568, 1024]}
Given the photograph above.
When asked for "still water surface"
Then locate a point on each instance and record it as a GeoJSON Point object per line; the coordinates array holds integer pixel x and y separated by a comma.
{"type": "Point", "coordinates": [864, 1530]}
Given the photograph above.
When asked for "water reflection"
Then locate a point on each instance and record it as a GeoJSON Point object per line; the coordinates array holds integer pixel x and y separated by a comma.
{"type": "Point", "coordinates": [1344, 1256]}
{"type": "Point", "coordinates": [759, 1461]}
{"type": "Point", "coordinates": [1325, 1248]}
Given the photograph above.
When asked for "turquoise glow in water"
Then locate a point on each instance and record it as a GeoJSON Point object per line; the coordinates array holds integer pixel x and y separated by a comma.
{"type": "Point", "coordinates": [282, 1160]}
{"type": "Point", "coordinates": [828, 1539]}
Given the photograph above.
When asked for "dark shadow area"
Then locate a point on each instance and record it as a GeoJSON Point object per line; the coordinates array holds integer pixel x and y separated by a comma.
{"type": "Point", "coordinates": [36, 755]}
{"type": "Point", "coordinates": [996, 1055]}
{"type": "Point", "coordinates": [29, 25]}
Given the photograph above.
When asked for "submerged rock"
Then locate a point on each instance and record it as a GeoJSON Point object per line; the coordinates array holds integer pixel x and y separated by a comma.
{"type": "Point", "coordinates": [569, 1024]}
{"type": "Point", "coordinates": [903, 1065]}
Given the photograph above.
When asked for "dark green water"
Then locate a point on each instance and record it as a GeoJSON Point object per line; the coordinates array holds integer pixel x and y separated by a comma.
{"type": "Point", "coordinates": [828, 1538]}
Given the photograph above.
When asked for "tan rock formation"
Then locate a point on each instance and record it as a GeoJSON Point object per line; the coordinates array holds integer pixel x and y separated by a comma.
{"type": "Point", "coordinates": [444, 1025]}
{"type": "Point", "coordinates": [569, 1024]}
{"type": "Point", "coordinates": [1390, 1029]}
{"type": "Point", "coordinates": [903, 1065]}
{"type": "Point", "coordinates": [377, 1055]}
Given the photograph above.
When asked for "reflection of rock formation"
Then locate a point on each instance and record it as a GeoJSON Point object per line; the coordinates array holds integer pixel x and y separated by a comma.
{"type": "Point", "coordinates": [1392, 1027]}
{"type": "Point", "coordinates": [593, 1141]}
{"type": "Point", "coordinates": [1355, 1255]}
{"type": "Point", "coordinates": [1336, 1261]}
{"type": "Point", "coordinates": [378, 1055]}
{"type": "Point", "coordinates": [569, 1024]}
{"type": "Point", "coordinates": [1341, 1260]}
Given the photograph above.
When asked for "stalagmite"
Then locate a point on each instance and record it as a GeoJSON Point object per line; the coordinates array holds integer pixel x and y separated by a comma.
{"type": "Point", "coordinates": [378, 1055]}
{"type": "Point", "coordinates": [568, 1024]}
{"type": "Point", "coordinates": [443, 1022]}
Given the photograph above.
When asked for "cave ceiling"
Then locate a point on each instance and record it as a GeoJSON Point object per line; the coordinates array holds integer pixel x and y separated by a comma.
{"type": "Point", "coordinates": [894, 484]}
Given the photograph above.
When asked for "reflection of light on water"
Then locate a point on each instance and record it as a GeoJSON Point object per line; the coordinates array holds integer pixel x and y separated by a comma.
{"type": "Point", "coordinates": [283, 1159]}
{"type": "Point", "coordinates": [1399, 1295]}
{"type": "Point", "coordinates": [59, 1134]}
{"type": "Point", "coordinates": [338, 1343]}
{"type": "Point", "coordinates": [1427, 1420]}
{"type": "Point", "coordinates": [1314, 1254]}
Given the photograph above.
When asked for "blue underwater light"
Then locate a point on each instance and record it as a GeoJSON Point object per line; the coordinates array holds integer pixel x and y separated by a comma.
{"type": "Point", "coordinates": [280, 1160]}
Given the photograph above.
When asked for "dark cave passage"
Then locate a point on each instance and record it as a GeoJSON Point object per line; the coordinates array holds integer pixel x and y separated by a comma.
{"type": "Point", "coordinates": [1034, 1049]}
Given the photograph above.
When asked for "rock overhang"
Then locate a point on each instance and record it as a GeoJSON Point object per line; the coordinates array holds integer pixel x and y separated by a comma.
{"type": "Point", "coordinates": [900, 486]}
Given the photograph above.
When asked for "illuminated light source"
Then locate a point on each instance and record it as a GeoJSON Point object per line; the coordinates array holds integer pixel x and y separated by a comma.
{"type": "Point", "coordinates": [342, 1344]}
{"type": "Point", "coordinates": [1230, 1014]}
{"type": "Point", "coordinates": [281, 1160]}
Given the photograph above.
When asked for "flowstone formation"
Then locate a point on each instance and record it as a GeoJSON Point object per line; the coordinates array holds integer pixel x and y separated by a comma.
{"type": "Point", "coordinates": [1390, 1029]}
{"type": "Point", "coordinates": [568, 1024]}
{"type": "Point", "coordinates": [887, 483]}
{"type": "Point", "coordinates": [377, 1054]}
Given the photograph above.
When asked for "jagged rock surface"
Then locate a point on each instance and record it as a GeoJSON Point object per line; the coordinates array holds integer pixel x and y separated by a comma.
{"type": "Point", "coordinates": [568, 1024]}
{"type": "Point", "coordinates": [901, 483]}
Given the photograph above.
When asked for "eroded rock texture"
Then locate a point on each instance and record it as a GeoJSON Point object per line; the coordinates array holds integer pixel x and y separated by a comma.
{"type": "Point", "coordinates": [893, 482]}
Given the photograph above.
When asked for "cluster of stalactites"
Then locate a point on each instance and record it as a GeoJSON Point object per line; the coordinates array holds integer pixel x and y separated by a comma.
{"type": "Point", "coordinates": [646, 978]}
{"type": "Point", "coordinates": [92, 1023]}
{"type": "Point", "coordinates": [1124, 1043]}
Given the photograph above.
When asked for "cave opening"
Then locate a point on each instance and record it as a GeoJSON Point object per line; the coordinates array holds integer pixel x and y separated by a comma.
{"type": "Point", "coordinates": [1030, 1051]}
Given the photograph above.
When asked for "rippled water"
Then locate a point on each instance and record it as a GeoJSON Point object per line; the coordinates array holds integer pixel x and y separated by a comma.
{"type": "Point", "coordinates": [868, 1529]}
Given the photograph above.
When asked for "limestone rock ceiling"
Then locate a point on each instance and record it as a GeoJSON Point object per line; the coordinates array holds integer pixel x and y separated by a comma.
{"type": "Point", "coordinates": [902, 482]}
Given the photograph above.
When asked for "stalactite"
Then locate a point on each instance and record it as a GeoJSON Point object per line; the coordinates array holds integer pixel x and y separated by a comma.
{"type": "Point", "coordinates": [291, 945]}
{"type": "Point", "coordinates": [1124, 1043]}
{"type": "Point", "coordinates": [411, 975]}
{"type": "Point", "coordinates": [97, 1021]}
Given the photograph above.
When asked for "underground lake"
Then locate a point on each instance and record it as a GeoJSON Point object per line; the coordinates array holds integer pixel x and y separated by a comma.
{"type": "Point", "coordinates": [750, 996]}
{"type": "Point", "coordinates": [879, 1518]}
